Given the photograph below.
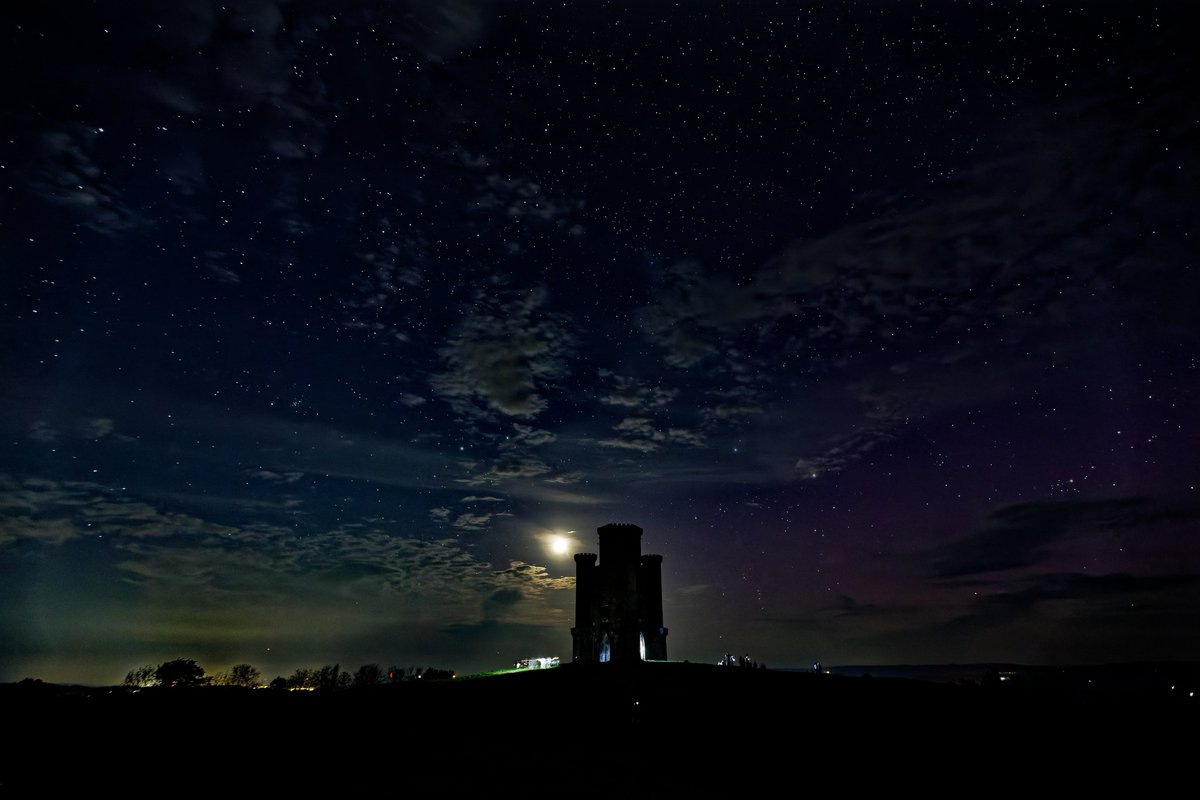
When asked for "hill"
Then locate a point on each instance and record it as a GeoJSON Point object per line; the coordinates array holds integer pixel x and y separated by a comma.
{"type": "Point", "coordinates": [591, 730]}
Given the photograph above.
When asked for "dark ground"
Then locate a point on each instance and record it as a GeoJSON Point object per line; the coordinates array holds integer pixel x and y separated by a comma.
{"type": "Point", "coordinates": [605, 730]}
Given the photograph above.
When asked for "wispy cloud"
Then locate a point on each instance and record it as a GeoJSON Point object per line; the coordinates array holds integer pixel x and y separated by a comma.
{"type": "Point", "coordinates": [275, 477]}
{"type": "Point", "coordinates": [527, 436]}
{"type": "Point", "coordinates": [391, 283]}
{"type": "Point", "coordinates": [732, 404]}
{"type": "Point", "coordinates": [634, 394]}
{"type": "Point", "coordinates": [640, 433]}
{"type": "Point", "coordinates": [842, 451]}
{"type": "Point", "coordinates": [92, 428]}
{"type": "Point", "coordinates": [175, 556]}
{"type": "Point", "coordinates": [508, 468]}
{"type": "Point", "coordinates": [60, 511]}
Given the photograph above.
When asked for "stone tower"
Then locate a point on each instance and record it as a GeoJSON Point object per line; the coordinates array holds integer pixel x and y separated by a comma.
{"type": "Point", "coordinates": [618, 602]}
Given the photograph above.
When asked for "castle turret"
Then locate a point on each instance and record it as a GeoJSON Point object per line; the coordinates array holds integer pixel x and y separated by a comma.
{"type": "Point", "coordinates": [650, 594]}
{"type": "Point", "coordinates": [583, 635]}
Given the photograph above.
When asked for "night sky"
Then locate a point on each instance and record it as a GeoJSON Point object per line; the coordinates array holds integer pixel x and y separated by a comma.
{"type": "Point", "coordinates": [319, 319]}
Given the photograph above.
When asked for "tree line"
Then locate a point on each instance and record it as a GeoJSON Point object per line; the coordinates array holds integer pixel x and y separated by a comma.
{"type": "Point", "coordinates": [185, 672]}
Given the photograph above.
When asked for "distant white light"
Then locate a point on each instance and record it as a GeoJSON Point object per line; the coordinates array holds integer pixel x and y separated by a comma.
{"type": "Point", "coordinates": [559, 545]}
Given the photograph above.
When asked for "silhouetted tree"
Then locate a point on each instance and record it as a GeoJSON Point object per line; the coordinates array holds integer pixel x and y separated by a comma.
{"type": "Point", "coordinates": [368, 675]}
{"type": "Point", "coordinates": [141, 676]}
{"type": "Point", "coordinates": [243, 675]}
{"type": "Point", "coordinates": [180, 672]}
{"type": "Point", "coordinates": [303, 679]}
{"type": "Point", "coordinates": [330, 678]}
{"type": "Point", "coordinates": [278, 684]}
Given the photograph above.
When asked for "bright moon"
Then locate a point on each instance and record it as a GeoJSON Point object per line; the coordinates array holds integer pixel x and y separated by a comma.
{"type": "Point", "coordinates": [559, 545]}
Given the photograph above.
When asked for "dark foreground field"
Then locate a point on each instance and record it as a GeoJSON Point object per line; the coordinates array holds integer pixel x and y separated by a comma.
{"type": "Point", "coordinates": [669, 730]}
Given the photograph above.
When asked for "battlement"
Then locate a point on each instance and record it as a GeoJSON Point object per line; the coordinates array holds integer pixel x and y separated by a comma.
{"type": "Point", "coordinates": [652, 558]}
{"type": "Point", "coordinates": [620, 528]}
{"type": "Point", "coordinates": [585, 558]}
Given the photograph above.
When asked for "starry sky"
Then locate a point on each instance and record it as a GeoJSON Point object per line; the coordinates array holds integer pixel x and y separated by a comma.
{"type": "Point", "coordinates": [319, 319]}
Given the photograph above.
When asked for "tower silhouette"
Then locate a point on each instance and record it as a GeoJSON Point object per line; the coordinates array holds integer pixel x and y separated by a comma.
{"type": "Point", "coordinates": [618, 601]}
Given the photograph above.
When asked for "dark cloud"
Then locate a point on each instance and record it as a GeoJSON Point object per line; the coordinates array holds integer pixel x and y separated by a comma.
{"type": "Point", "coordinates": [41, 431]}
{"type": "Point", "coordinates": [68, 175]}
{"type": "Point", "coordinates": [216, 264]}
{"type": "Point", "coordinates": [534, 580]}
{"type": "Point", "coordinates": [522, 594]}
{"type": "Point", "coordinates": [181, 100]}
{"type": "Point", "coordinates": [995, 609]}
{"type": "Point", "coordinates": [1021, 535]}
{"type": "Point", "coordinates": [439, 30]}
{"type": "Point", "coordinates": [469, 521]}
{"type": "Point", "coordinates": [686, 315]}
{"type": "Point", "coordinates": [500, 601]}
{"type": "Point", "coordinates": [1087, 617]}
{"type": "Point", "coordinates": [1025, 247]}
{"type": "Point", "coordinates": [846, 606]}
{"type": "Point", "coordinates": [263, 65]}
{"type": "Point", "coordinates": [523, 199]}
{"type": "Point", "coordinates": [504, 641]}
{"type": "Point", "coordinates": [1075, 618]}
{"type": "Point", "coordinates": [145, 78]}
{"type": "Point", "coordinates": [502, 354]}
